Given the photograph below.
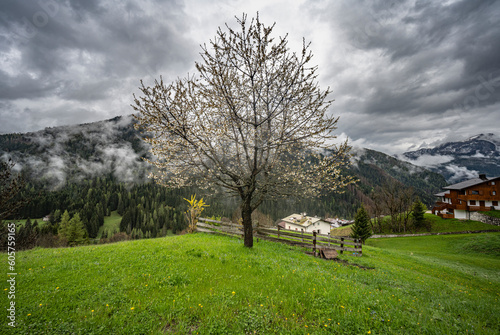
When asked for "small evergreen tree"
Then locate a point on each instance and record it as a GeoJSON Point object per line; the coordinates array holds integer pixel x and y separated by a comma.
{"type": "Point", "coordinates": [27, 235]}
{"type": "Point", "coordinates": [56, 216]}
{"type": "Point", "coordinates": [361, 228]}
{"type": "Point", "coordinates": [64, 225]}
{"type": "Point", "coordinates": [417, 212]}
{"type": "Point", "coordinates": [76, 231]}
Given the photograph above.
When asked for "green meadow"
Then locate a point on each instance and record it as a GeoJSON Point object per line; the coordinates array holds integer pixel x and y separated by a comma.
{"type": "Point", "coordinates": [437, 224]}
{"type": "Point", "coordinates": [204, 284]}
{"type": "Point", "coordinates": [111, 224]}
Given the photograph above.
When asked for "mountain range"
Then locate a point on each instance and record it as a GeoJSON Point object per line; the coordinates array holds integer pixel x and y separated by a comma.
{"type": "Point", "coordinates": [460, 160]}
{"type": "Point", "coordinates": [60, 155]}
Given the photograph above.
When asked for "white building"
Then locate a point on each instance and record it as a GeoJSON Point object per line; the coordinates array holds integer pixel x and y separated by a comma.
{"type": "Point", "coordinates": [309, 224]}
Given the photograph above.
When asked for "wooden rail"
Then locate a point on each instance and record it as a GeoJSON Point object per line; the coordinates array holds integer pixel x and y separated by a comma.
{"type": "Point", "coordinates": [316, 242]}
{"type": "Point", "coordinates": [219, 227]}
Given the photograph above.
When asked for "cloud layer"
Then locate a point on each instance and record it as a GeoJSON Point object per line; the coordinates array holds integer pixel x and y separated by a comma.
{"type": "Point", "coordinates": [73, 153]}
{"type": "Point", "coordinates": [402, 73]}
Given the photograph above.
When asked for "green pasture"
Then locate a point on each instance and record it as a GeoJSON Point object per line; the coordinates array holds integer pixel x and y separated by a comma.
{"type": "Point", "coordinates": [204, 284]}
{"type": "Point", "coordinates": [111, 224]}
{"type": "Point", "coordinates": [495, 213]}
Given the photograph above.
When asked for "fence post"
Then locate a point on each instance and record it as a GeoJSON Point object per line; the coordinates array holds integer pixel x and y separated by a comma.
{"type": "Point", "coordinates": [329, 237]}
{"type": "Point", "coordinates": [314, 243]}
{"type": "Point", "coordinates": [302, 231]}
{"type": "Point", "coordinates": [279, 227]}
{"type": "Point", "coordinates": [342, 245]}
{"type": "Point", "coordinates": [361, 247]}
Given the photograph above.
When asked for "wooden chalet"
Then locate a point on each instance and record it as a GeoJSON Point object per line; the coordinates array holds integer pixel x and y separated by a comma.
{"type": "Point", "coordinates": [459, 200]}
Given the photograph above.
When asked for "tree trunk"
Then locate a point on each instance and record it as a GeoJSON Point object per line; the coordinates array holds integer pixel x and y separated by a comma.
{"type": "Point", "coordinates": [246, 215]}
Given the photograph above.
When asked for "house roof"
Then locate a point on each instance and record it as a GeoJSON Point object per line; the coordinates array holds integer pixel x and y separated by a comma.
{"type": "Point", "coordinates": [442, 194]}
{"type": "Point", "coordinates": [469, 183]}
{"type": "Point", "coordinates": [301, 220]}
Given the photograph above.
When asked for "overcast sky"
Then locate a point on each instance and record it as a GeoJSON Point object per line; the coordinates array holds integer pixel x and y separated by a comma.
{"type": "Point", "coordinates": [403, 74]}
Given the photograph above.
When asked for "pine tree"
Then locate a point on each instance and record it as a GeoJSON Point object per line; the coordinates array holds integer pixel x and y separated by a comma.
{"type": "Point", "coordinates": [93, 226]}
{"type": "Point", "coordinates": [120, 207]}
{"type": "Point", "coordinates": [361, 228]}
{"type": "Point", "coordinates": [76, 231]}
{"type": "Point", "coordinates": [417, 212]}
{"type": "Point", "coordinates": [64, 225]}
{"type": "Point", "coordinates": [27, 235]}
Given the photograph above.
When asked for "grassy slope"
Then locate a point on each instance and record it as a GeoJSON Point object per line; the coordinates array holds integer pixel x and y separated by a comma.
{"type": "Point", "coordinates": [213, 285]}
{"type": "Point", "coordinates": [495, 214]}
{"type": "Point", "coordinates": [111, 223]}
{"type": "Point", "coordinates": [452, 225]}
{"type": "Point", "coordinates": [439, 225]}
{"type": "Point", "coordinates": [22, 222]}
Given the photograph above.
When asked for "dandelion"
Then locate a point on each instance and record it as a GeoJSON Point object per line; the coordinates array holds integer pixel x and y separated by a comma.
{"type": "Point", "coordinates": [132, 308]}
{"type": "Point", "coordinates": [234, 293]}
{"type": "Point", "coordinates": [369, 332]}
{"type": "Point", "coordinates": [92, 311]}
{"type": "Point", "coordinates": [57, 288]}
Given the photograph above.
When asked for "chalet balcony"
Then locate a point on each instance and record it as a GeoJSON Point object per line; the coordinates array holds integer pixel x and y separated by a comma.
{"type": "Point", "coordinates": [446, 216]}
{"type": "Point", "coordinates": [478, 208]}
{"type": "Point", "coordinates": [440, 206]}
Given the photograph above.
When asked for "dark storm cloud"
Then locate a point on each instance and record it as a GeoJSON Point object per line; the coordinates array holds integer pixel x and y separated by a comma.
{"type": "Point", "coordinates": [402, 72]}
{"type": "Point", "coordinates": [84, 51]}
{"type": "Point", "coordinates": [427, 64]}
{"type": "Point", "coordinates": [424, 39]}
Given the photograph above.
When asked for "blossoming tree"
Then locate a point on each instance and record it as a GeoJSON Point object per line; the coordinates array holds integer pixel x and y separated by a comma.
{"type": "Point", "coordinates": [252, 121]}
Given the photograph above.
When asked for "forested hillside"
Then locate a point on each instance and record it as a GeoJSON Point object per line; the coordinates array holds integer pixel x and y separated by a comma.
{"type": "Point", "coordinates": [146, 207]}
{"type": "Point", "coordinates": [95, 169]}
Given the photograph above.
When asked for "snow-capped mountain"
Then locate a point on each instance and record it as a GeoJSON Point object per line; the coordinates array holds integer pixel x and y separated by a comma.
{"type": "Point", "coordinates": [461, 160]}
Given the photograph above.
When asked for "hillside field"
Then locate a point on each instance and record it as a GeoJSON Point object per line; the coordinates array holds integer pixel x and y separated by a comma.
{"type": "Point", "coordinates": [438, 225]}
{"type": "Point", "coordinates": [203, 284]}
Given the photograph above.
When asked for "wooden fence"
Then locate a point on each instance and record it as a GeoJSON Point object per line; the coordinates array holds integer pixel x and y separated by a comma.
{"type": "Point", "coordinates": [322, 245]}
